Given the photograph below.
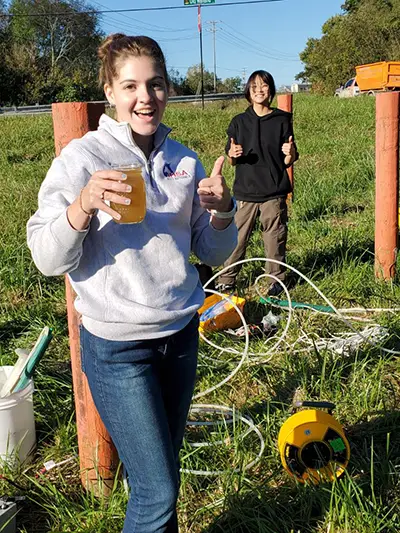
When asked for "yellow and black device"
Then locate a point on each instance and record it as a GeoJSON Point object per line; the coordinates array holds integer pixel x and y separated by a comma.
{"type": "Point", "coordinates": [312, 444]}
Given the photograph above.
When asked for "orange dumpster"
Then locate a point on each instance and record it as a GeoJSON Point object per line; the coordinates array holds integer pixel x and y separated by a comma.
{"type": "Point", "coordinates": [381, 76]}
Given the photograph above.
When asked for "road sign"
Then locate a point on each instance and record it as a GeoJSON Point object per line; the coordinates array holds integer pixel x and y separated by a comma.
{"type": "Point", "coordinates": [197, 2]}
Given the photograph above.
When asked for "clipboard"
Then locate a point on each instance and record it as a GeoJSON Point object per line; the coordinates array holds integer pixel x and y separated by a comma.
{"type": "Point", "coordinates": [26, 364]}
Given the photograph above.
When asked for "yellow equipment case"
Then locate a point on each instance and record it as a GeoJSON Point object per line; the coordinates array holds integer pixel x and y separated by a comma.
{"type": "Point", "coordinates": [312, 444]}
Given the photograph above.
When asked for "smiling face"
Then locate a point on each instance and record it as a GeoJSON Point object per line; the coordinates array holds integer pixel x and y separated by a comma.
{"type": "Point", "coordinates": [139, 94]}
{"type": "Point", "coordinates": [259, 91]}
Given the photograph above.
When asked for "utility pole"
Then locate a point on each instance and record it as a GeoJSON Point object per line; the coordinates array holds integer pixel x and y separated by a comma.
{"type": "Point", "coordinates": [214, 29]}
{"type": "Point", "coordinates": [199, 27]}
{"type": "Point", "coordinates": [244, 77]}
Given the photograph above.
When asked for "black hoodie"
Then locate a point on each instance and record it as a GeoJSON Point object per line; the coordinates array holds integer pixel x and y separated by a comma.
{"type": "Point", "coordinates": [260, 173]}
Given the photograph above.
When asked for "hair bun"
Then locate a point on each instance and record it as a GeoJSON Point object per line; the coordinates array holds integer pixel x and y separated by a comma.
{"type": "Point", "coordinates": [117, 47]}
{"type": "Point", "coordinates": [105, 46]}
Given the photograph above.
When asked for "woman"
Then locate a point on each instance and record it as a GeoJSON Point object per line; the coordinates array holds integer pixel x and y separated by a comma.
{"type": "Point", "coordinates": [136, 290]}
{"type": "Point", "coordinates": [261, 147]}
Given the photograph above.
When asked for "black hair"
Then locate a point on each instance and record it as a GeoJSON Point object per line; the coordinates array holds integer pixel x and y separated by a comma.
{"type": "Point", "coordinates": [266, 77]}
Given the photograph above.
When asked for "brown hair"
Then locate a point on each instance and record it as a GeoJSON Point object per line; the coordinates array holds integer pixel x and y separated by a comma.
{"type": "Point", "coordinates": [118, 46]}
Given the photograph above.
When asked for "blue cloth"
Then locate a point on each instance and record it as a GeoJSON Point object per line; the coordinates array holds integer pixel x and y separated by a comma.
{"type": "Point", "coordinates": [143, 390]}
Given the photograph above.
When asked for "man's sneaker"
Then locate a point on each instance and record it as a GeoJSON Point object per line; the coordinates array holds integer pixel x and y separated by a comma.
{"type": "Point", "coordinates": [225, 287]}
{"type": "Point", "coordinates": [275, 289]}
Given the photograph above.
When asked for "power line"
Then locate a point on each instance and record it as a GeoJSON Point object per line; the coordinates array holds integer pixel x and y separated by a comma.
{"type": "Point", "coordinates": [136, 9]}
{"type": "Point", "coordinates": [258, 44]}
{"type": "Point", "coordinates": [131, 28]}
{"type": "Point", "coordinates": [151, 27]}
{"type": "Point", "coordinates": [118, 25]}
{"type": "Point", "coordinates": [229, 38]}
{"type": "Point", "coordinates": [257, 48]}
{"type": "Point", "coordinates": [177, 67]}
{"type": "Point", "coordinates": [230, 69]}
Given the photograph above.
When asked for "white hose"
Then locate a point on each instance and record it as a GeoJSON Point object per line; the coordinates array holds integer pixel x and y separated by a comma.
{"type": "Point", "coordinates": [305, 278]}
{"type": "Point", "coordinates": [221, 409]}
{"type": "Point", "coordinates": [259, 358]}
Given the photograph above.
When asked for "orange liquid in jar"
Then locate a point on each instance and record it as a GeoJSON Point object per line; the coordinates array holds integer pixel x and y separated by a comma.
{"type": "Point", "coordinates": [136, 210]}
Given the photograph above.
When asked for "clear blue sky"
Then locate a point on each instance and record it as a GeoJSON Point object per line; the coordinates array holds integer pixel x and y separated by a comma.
{"type": "Point", "coordinates": [266, 36]}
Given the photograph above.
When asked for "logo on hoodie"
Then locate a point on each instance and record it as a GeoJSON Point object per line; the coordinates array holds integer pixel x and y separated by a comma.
{"type": "Point", "coordinates": [169, 173]}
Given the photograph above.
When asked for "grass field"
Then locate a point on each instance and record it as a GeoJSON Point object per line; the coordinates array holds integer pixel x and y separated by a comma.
{"type": "Point", "coordinates": [331, 241]}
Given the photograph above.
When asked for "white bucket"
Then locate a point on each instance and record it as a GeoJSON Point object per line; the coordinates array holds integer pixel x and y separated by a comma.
{"type": "Point", "coordinates": [17, 423]}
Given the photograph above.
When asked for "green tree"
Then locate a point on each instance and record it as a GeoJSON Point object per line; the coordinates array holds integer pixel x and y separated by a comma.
{"type": "Point", "coordinates": [50, 50]}
{"type": "Point", "coordinates": [366, 33]}
{"type": "Point", "coordinates": [351, 5]}
{"type": "Point", "coordinates": [8, 76]}
{"type": "Point", "coordinates": [231, 85]}
{"type": "Point", "coordinates": [178, 85]}
{"type": "Point", "coordinates": [193, 80]}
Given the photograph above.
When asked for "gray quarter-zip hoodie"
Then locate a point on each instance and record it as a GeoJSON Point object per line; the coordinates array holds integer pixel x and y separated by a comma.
{"type": "Point", "coordinates": [133, 281]}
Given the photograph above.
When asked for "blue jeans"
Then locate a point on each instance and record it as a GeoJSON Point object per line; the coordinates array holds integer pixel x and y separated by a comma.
{"type": "Point", "coordinates": [142, 391]}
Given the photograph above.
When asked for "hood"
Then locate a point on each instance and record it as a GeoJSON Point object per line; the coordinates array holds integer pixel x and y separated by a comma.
{"type": "Point", "coordinates": [250, 113]}
{"type": "Point", "coordinates": [123, 131]}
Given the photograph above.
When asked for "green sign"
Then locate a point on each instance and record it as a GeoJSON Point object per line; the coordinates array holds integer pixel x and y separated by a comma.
{"type": "Point", "coordinates": [337, 445]}
{"type": "Point", "coordinates": [197, 2]}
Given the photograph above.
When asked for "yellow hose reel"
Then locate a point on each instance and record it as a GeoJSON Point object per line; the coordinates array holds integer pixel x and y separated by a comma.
{"type": "Point", "coordinates": [312, 444]}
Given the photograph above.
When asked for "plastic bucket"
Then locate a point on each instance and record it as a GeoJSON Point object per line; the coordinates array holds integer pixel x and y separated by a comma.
{"type": "Point", "coordinates": [17, 423]}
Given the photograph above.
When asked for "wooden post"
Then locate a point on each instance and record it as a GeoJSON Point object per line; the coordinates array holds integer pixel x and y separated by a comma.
{"type": "Point", "coordinates": [387, 184]}
{"type": "Point", "coordinates": [97, 454]}
{"type": "Point", "coordinates": [285, 102]}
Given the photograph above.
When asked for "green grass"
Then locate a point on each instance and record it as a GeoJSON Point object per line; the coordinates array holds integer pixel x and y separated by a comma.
{"type": "Point", "coordinates": [331, 240]}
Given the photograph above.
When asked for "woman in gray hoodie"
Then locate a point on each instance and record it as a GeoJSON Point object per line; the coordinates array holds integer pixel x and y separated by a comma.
{"type": "Point", "coordinates": [137, 293]}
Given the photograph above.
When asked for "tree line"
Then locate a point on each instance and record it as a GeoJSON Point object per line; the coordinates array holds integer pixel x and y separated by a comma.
{"type": "Point", "coordinates": [52, 57]}
{"type": "Point", "coordinates": [367, 31]}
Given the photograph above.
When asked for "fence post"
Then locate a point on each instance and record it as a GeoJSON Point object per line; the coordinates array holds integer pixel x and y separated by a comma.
{"type": "Point", "coordinates": [97, 454]}
{"type": "Point", "coordinates": [285, 102]}
{"type": "Point", "coordinates": [387, 184]}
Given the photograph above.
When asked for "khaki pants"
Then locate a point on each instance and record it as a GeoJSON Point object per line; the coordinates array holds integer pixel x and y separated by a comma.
{"type": "Point", "coordinates": [273, 218]}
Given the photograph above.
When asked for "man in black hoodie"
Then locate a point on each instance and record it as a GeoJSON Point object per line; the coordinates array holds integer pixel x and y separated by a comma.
{"type": "Point", "coordinates": [261, 147]}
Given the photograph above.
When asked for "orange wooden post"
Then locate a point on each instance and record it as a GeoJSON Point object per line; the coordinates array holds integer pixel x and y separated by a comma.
{"type": "Point", "coordinates": [97, 454]}
{"type": "Point", "coordinates": [285, 102]}
{"type": "Point", "coordinates": [387, 184]}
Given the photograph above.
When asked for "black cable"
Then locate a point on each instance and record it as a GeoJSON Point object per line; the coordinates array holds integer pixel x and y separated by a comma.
{"type": "Point", "coordinates": [239, 43]}
{"type": "Point", "coordinates": [165, 8]}
{"type": "Point", "coordinates": [152, 27]}
{"type": "Point", "coordinates": [11, 482]}
{"type": "Point", "coordinates": [252, 42]}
